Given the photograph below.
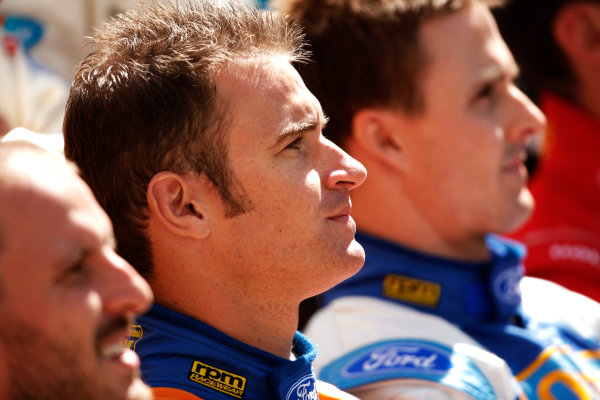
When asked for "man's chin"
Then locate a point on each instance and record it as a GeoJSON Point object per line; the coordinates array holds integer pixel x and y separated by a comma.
{"type": "Point", "coordinates": [357, 254]}
{"type": "Point", "coordinates": [516, 216]}
{"type": "Point", "coordinates": [353, 261]}
{"type": "Point", "coordinates": [523, 210]}
{"type": "Point", "coordinates": [138, 390]}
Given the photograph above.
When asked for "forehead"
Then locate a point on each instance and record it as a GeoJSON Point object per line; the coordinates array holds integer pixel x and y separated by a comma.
{"type": "Point", "coordinates": [464, 47]}
{"type": "Point", "coordinates": [47, 218]}
{"type": "Point", "coordinates": [265, 96]}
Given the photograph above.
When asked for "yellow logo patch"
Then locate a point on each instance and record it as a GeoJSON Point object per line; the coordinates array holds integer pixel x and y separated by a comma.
{"type": "Point", "coordinates": [135, 334]}
{"type": "Point", "coordinates": [411, 290]}
{"type": "Point", "coordinates": [218, 379]}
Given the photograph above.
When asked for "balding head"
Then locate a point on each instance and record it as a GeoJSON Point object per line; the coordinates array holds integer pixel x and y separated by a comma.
{"type": "Point", "coordinates": [67, 298]}
{"type": "Point", "coordinates": [25, 167]}
{"type": "Point", "coordinates": [16, 155]}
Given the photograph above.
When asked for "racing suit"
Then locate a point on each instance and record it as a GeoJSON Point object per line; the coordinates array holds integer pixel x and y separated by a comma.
{"type": "Point", "coordinates": [424, 327]}
{"type": "Point", "coordinates": [183, 358]}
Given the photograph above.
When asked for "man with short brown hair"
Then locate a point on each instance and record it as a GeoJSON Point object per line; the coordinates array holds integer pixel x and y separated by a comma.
{"type": "Point", "coordinates": [205, 147]}
{"type": "Point", "coordinates": [422, 93]}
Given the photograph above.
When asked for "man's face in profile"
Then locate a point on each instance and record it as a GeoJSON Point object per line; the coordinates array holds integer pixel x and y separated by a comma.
{"type": "Point", "coordinates": [298, 224]}
{"type": "Point", "coordinates": [66, 298]}
{"type": "Point", "coordinates": [467, 151]}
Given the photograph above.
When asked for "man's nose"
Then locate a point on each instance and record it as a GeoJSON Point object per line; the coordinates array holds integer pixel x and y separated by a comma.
{"type": "Point", "coordinates": [347, 171]}
{"type": "Point", "coordinates": [125, 291]}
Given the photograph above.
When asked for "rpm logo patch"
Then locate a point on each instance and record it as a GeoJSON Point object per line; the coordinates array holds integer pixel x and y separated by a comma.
{"type": "Point", "coordinates": [218, 379]}
{"type": "Point", "coordinates": [135, 334]}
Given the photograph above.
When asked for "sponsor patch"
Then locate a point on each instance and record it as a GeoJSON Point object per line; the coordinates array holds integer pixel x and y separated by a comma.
{"type": "Point", "coordinates": [135, 334]}
{"type": "Point", "coordinates": [400, 357]}
{"type": "Point", "coordinates": [411, 290]}
{"type": "Point", "coordinates": [304, 389]}
{"type": "Point", "coordinates": [218, 379]}
{"type": "Point", "coordinates": [409, 359]}
{"type": "Point", "coordinates": [506, 286]}
{"type": "Point", "coordinates": [574, 252]}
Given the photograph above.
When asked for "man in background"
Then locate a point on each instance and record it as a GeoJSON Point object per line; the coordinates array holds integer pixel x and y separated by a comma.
{"type": "Point", "coordinates": [66, 298]}
{"type": "Point", "coordinates": [422, 93]}
{"type": "Point", "coordinates": [204, 146]}
{"type": "Point", "coordinates": [557, 45]}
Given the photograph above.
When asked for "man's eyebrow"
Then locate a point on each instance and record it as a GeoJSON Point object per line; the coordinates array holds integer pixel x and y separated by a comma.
{"type": "Point", "coordinates": [296, 129]}
{"type": "Point", "coordinates": [495, 72]}
{"type": "Point", "coordinates": [75, 253]}
{"type": "Point", "coordinates": [71, 257]}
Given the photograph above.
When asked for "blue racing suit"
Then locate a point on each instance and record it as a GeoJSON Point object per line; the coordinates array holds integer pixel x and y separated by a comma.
{"type": "Point", "coordinates": [408, 317]}
{"type": "Point", "coordinates": [183, 358]}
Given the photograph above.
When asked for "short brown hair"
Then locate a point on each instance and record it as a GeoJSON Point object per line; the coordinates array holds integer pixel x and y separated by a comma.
{"type": "Point", "coordinates": [146, 101]}
{"type": "Point", "coordinates": [366, 53]}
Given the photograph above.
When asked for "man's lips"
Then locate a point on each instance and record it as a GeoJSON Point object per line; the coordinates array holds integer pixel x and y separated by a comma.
{"type": "Point", "coordinates": [112, 347]}
{"type": "Point", "coordinates": [342, 215]}
{"type": "Point", "coordinates": [515, 164]}
{"type": "Point", "coordinates": [112, 336]}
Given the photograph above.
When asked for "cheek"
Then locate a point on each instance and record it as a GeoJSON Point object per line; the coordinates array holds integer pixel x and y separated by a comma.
{"type": "Point", "coordinates": [78, 311]}
{"type": "Point", "coordinates": [468, 160]}
{"type": "Point", "coordinates": [480, 147]}
{"type": "Point", "coordinates": [301, 191]}
{"type": "Point", "coordinates": [312, 183]}
{"type": "Point", "coordinates": [302, 202]}
{"type": "Point", "coordinates": [293, 209]}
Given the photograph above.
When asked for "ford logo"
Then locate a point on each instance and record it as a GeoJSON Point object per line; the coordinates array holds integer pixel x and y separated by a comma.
{"type": "Point", "coordinates": [400, 357]}
{"type": "Point", "coordinates": [304, 389]}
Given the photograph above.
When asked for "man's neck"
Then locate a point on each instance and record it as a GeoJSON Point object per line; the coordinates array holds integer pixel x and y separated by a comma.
{"type": "Point", "coordinates": [393, 217]}
{"type": "Point", "coordinates": [471, 249]}
{"type": "Point", "coordinates": [246, 315]}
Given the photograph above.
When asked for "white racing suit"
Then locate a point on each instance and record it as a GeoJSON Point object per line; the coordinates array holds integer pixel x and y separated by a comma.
{"type": "Point", "coordinates": [414, 326]}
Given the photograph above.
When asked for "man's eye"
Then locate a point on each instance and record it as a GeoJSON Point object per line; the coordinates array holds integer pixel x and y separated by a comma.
{"type": "Point", "coordinates": [485, 92]}
{"type": "Point", "coordinates": [78, 268]}
{"type": "Point", "coordinates": [295, 144]}
{"type": "Point", "coordinates": [75, 273]}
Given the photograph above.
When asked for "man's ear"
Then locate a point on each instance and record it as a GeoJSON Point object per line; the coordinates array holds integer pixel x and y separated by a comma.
{"type": "Point", "coordinates": [173, 200]}
{"type": "Point", "coordinates": [576, 29]}
{"type": "Point", "coordinates": [377, 132]}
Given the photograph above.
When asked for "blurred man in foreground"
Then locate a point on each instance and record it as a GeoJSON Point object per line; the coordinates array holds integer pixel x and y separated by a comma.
{"type": "Point", "coordinates": [66, 298]}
